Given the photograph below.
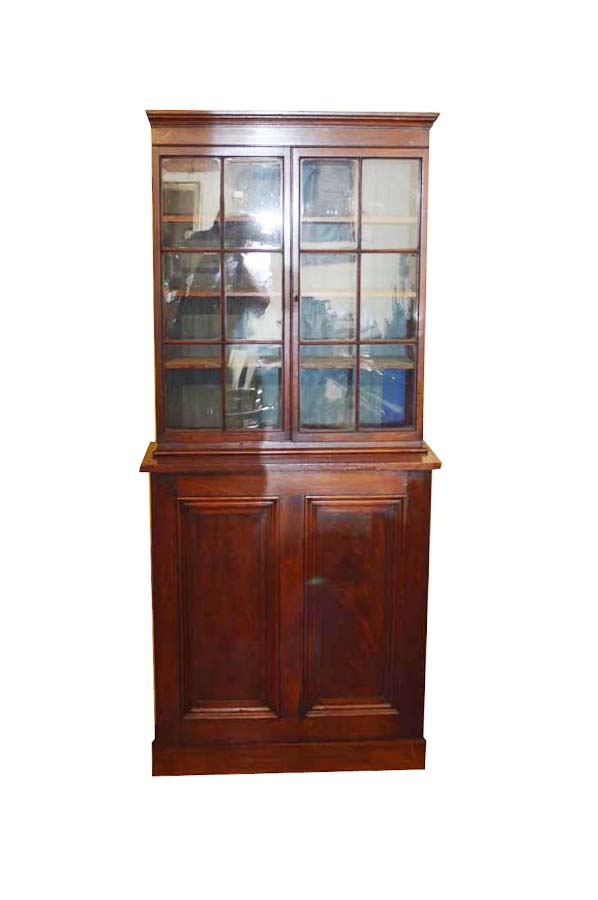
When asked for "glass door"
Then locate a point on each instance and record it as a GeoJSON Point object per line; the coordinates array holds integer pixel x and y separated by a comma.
{"type": "Point", "coordinates": [359, 315]}
{"type": "Point", "coordinates": [222, 228]}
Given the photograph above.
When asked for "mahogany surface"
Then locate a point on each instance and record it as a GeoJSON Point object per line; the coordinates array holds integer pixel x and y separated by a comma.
{"type": "Point", "coordinates": [289, 571]}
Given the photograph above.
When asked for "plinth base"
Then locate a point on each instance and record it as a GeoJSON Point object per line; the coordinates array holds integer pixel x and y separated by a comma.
{"type": "Point", "coordinates": [331, 756]}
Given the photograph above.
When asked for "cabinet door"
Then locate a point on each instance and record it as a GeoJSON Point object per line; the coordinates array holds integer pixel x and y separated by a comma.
{"type": "Point", "coordinates": [222, 261]}
{"type": "Point", "coordinates": [217, 608]}
{"type": "Point", "coordinates": [364, 605]}
{"type": "Point", "coordinates": [359, 232]}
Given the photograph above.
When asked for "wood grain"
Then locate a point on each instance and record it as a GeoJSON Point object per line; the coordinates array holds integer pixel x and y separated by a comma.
{"type": "Point", "coordinates": [286, 757]}
{"type": "Point", "coordinates": [289, 569]}
{"type": "Point", "coordinates": [229, 622]}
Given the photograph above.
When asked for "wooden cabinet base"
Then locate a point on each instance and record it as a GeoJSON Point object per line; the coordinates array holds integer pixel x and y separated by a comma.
{"type": "Point", "coordinates": [331, 756]}
{"type": "Point", "coordinates": [290, 603]}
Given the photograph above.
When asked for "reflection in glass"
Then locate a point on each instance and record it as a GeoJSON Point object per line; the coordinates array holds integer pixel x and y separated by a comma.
{"type": "Point", "coordinates": [193, 387]}
{"type": "Point", "coordinates": [190, 295]}
{"type": "Point", "coordinates": [253, 203]}
{"type": "Point", "coordinates": [253, 381]}
{"type": "Point", "coordinates": [192, 318]}
{"type": "Point", "coordinates": [388, 295]}
{"type": "Point", "coordinates": [253, 284]}
{"type": "Point", "coordinates": [386, 378]}
{"type": "Point", "coordinates": [190, 202]}
{"type": "Point", "coordinates": [328, 203]}
{"type": "Point", "coordinates": [327, 385]}
{"type": "Point", "coordinates": [328, 292]}
{"type": "Point", "coordinates": [390, 204]}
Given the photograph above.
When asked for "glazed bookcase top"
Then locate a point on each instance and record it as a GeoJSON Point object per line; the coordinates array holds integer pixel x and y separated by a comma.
{"type": "Point", "coordinates": [289, 263]}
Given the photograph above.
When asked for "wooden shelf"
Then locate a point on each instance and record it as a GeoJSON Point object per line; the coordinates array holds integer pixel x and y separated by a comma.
{"type": "Point", "coordinates": [182, 292]}
{"type": "Point", "coordinates": [208, 362]}
{"type": "Point", "coordinates": [385, 295]}
{"type": "Point", "coordinates": [215, 294]}
{"type": "Point", "coordinates": [367, 295]}
{"type": "Point", "coordinates": [366, 363]}
{"type": "Point", "coordinates": [389, 220]}
{"type": "Point", "coordinates": [255, 294]}
{"type": "Point", "coordinates": [329, 245]}
{"type": "Point", "coordinates": [334, 220]}
{"type": "Point", "coordinates": [185, 217]}
{"type": "Point", "coordinates": [194, 362]}
{"type": "Point", "coordinates": [366, 220]}
{"type": "Point", "coordinates": [371, 364]}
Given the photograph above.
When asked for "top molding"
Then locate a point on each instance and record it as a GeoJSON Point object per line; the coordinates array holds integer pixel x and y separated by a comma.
{"type": "Point", "coordinates": [189, 117]}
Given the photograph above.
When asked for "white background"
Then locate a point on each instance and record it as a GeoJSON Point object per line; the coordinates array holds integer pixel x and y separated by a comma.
{"type": "Point", "coordinates": [506, 807]}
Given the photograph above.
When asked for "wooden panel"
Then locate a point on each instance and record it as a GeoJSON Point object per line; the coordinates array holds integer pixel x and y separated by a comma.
{"type": "Point", "coordinates": [410, 672]}
{"type": "Point", "coordinates": [291, 135]}
{"type": "Point", "coordinates": [228, 558]}
{"type": "Point", "coordinates": [351, 591]}
{"type": "Point", "coordinates": [311, 756]}
{"type": "Point", "coordinates": [166, 613]}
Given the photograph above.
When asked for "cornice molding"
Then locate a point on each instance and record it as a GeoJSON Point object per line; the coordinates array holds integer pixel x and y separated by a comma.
{"type": "Point", "coordinates": [180, 118]}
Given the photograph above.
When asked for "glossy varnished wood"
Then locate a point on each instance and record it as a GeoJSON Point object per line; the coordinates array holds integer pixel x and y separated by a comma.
{"type": "Point", "coordinates": [352, 560]}
{"type": "Point", "coordinates": [315, 756]}
{"type": "Point", "coordinates": [323, 550]}
{"type": "Point", "coordinates": [177, 133]}
{"type": "Point", "coordinates": [230, 624]}
{"type": "Point", "coordinates": [179, 127]}
{"type": "Point", "coordinates": [289, 569]}
{"type": "Point", "coordinates": [209, 458]}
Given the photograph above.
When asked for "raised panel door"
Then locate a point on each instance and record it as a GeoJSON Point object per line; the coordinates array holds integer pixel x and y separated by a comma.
{"type": "Point", "coordinates": [352, 592]}
{"type": "Point", "coordinates": [229, 606]}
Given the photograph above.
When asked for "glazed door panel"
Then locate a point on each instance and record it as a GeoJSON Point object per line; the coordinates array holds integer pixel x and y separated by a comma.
{"type": "Point", "coordinates": [359, 244]}
{"type": "Point", "coordinates": [222, 283]}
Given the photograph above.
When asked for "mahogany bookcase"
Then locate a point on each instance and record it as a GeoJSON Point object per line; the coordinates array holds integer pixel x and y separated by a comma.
{"type": "Point", "coordinates": [290, 483]}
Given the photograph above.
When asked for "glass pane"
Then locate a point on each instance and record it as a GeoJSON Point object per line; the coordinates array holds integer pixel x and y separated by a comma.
{"type": "Point", "coordinates": [253, 296]}
{"type": "Point", "coordinates": [253, 203]}
{"type": "Point", "coordinates": [328, 295]}
{"type": "Point", "coordinates": [191, 202]}
{"type": "Point", "coordinates": [193, 387]}
{"type": "Point", "coordinates": [328, 203]}
{"type": "Point", "coordinates": [388, 295]}
{"type": "Point", "coordinates": [191, 295]}
{"type": "Point", "coordinates": [386, 386]}
{"type": "Point", "coordinates": [327, 385]}
{"type": "Point", "coordinates": [390, 204]}
{"type": "Point", "coordinates": [253, 380]}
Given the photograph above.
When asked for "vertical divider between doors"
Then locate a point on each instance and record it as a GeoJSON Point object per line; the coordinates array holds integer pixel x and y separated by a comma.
{"type": "Point", "coordinates": [222, 302]}
{"type": "Point", "coordinates": [287, 334]}
{"type": "Point", "coordinates": [358, 295]}
{"type": "Point", "coordinates": [295, 299]}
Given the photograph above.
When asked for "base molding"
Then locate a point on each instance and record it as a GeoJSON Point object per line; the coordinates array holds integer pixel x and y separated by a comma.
{"type": "Point", "coordinates": [315, 756]}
